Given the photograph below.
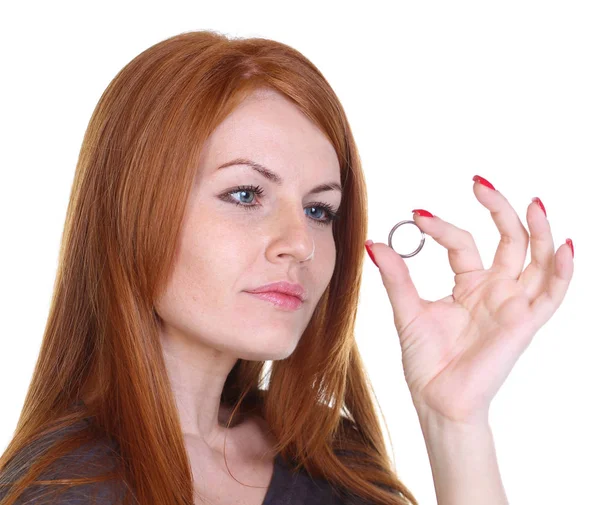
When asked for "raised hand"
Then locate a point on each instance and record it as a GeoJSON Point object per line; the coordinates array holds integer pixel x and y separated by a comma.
{"type": "Point", "coordinates": [458, 351]}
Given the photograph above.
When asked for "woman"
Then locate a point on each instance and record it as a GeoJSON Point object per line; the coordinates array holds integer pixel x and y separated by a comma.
{"type": "Point", "coordinates": [191, 190]}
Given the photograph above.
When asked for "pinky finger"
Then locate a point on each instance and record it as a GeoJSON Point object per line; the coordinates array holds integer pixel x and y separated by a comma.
{"type": "Point", "coordinates": [544, 306]}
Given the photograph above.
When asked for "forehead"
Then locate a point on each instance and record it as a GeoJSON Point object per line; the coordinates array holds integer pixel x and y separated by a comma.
{"type": "Point", "coordinates": [271, 130]}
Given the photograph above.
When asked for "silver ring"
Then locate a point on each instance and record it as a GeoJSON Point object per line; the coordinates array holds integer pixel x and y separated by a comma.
{"type": "Point", "coordinates": [418, 248]}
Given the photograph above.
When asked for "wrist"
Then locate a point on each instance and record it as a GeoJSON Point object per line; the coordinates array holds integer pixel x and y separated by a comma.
{"type": "Point", "coordinates": [432, 419]}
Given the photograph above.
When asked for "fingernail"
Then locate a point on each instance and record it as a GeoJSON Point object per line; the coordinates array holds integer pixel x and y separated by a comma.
{"type": "Point", "coordinates": [367, 244]}
{"type": "Point", "coordinates": [422, 212]}
{"type": "Point", "coordinates": [570, 242]}
{"type": "Point", "coordinates": [483, 181]}
{"type": "Point", "coordinates": [539, 202]}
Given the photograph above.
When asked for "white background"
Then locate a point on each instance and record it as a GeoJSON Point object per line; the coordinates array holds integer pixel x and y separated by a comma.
{"type": "Point", "coordinates": [436, 92]}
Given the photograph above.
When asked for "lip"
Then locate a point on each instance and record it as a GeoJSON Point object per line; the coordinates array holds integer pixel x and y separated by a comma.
{"type": "Point", "coordinates": [282, 287]}
{"type": "Point", "coordinates": [280, 300]}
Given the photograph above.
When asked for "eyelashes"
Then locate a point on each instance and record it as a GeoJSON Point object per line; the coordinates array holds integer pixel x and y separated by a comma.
{"type": "Point", "coordinates": [330, 214]}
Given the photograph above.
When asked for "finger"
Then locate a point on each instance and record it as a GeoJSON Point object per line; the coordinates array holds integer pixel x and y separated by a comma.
{"type": "Point", "coordinates": [514, 238]}
{"type": "Point", "coordinates": [549, 300]}
{"type": "Point", "coordinates": [462, 251]}
{"type": "Point", "coordinates": [403, 295]}
{"type": "Point", "coordinates": [536, 276]}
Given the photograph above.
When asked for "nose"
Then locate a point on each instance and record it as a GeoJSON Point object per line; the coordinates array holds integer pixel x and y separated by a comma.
{"type": "Point", "coordinates": [292, 235]}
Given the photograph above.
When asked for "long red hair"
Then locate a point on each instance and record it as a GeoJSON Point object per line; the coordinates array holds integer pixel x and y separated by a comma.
{"type": "Point", "coordinates": [101, 356]}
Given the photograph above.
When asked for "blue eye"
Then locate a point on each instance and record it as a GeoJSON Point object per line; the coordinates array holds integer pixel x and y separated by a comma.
{"type": "Point", "coordinates": [330, 214]}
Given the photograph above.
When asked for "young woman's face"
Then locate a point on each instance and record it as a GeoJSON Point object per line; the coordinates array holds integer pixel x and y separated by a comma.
{"type": "Point", "coordinates": [226, 249]}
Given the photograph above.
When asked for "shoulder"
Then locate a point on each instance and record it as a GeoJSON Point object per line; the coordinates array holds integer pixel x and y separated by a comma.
{"type": "Point", "coordinates": [89, 460]}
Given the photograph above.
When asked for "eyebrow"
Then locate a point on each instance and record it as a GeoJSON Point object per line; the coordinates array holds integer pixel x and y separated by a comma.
{"type": "Point", "coordinates": [276, 179]}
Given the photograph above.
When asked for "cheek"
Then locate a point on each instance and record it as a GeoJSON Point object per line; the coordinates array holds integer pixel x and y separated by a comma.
{"type": "Point", "coordinates": [211, 257]}
{"type": "Point", "coordinates": [322, 270]}
{"type": "Point", "coordinates": [201, 283]}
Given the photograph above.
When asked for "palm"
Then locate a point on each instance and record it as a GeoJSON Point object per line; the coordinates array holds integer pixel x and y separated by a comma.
{"type": "Point", "coordinates": [457, 351]}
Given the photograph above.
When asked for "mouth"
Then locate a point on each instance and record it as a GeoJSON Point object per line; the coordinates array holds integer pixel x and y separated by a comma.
{"type": "Point", "coordinates": [279, 300]}
{"type": "Point", "coordinates": [284, 287]}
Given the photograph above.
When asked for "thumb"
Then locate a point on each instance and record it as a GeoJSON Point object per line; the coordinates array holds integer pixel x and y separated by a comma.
{"type": "Point", "coordinates": [403, 295]}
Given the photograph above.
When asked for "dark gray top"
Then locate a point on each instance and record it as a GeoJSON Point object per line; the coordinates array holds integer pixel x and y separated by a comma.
{"type": "Point", "coordinates": [285, 488]}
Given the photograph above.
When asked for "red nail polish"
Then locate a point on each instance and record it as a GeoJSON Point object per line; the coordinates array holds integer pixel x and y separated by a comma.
{"type": "Point", "coordinates": [483, 181]}
{"type": "Point", "coordinates": [539, 202]}
{"type": "Point", "coordinates": [422, 212]}
{"type": "Point", "coordinates": [570, 242]}
{"type": "Point", "coordinates": [367, 244]}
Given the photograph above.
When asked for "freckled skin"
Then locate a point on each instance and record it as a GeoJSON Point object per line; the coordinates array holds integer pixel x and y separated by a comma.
{"type": "Point", "coordinates": [207, 320]}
